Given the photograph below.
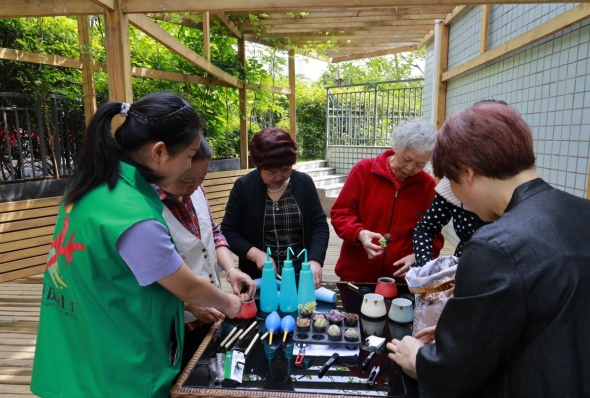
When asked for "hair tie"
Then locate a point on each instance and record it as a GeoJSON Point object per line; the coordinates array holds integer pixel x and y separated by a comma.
{"type": "Point", "coordinates": [125, 108]}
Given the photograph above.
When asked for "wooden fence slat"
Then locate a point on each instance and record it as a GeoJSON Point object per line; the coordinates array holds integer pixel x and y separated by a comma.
{"type": "Point", "coordinates": [29, 204]}
{"type": "Point", "coordinates": [23, 254]}
{"type": "Point", "coordinates": [27, 233]}
{"type": "Point", "coordinates": [8, 276]}
{"type": "Point", "coordinates": [27, 224]}
{"type": "Point", "coordinates": [218, 195]}
{"type": "Point", "coordinates": [28, 214]}
{"type": "Point", "coordinates": [219, 188]}
{"type": "Point", "coordinates": [16, 371]}
{"type": "Point", "coordinates": [25, 243]}
{"type": "Point", "coordinates": [20, 264]}
{"type": "Point", "coordinates": [219, 181]}
{"type": "Point", "coordinates": [15, 380]}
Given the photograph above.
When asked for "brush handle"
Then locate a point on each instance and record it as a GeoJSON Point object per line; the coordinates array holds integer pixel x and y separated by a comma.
{"type": "Point", "coordinates": [367, 360]}
{"type": "Point", "coordinates": [327, 365]}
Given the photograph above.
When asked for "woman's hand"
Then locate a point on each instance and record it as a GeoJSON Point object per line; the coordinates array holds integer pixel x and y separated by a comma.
{"type": "Point", "coordinates": [259, 257]}
{"type": "Point", "coordinates": [205, 314]}
{"type": "Point", "coordinates": [233, 307]}
{"type": "Point", "coordinates": [237, 278]}
{"type": "Point", "coordinates": [426, 335]}
{"type": "Point", "coordinates": [316, 269]}
{"type": "Point", "coordinates": [405, 262]}
{"type": "Point", "coordinates": [404, 353]}
{"type": "Point", "coordinates": [365, 237]}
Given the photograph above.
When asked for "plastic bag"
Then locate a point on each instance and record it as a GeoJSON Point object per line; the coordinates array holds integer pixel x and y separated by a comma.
{"type": "Point", "coordinates": [434, 284]}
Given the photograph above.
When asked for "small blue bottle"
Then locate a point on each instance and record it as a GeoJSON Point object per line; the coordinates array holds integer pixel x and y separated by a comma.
{"type": "Point", "coordinates": [288, 299]}
{"type": "Point", "coordinates": [306, 285]}
{"type": "Point", "coordinates": [269, 295]}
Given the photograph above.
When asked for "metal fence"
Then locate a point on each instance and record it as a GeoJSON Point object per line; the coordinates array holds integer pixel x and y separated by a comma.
{"type": "Point", "coordinates": [37, 137]}
{"type": "Point", "coordinates": [366, 114]}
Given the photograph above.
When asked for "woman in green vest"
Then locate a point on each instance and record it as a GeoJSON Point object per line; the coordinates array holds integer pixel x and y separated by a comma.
{"type": "Point", "coordinates": [112, 311]}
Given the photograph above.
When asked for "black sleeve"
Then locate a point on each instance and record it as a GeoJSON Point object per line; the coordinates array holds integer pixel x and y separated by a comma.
{"type": "Point", "coordinates": [478, 328]}
{"type": "Point", "coordinates": [432, 222]}
{"type": "Point", "coordinates": [320, 232]}
{"type": "Point", "coordinates": [231, 226]}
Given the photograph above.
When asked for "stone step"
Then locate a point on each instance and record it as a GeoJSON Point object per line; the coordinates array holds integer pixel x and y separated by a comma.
{"type": "Point", "coordinates": [331, 179]}
{"type": "Point", "coordinates": [333, 190]}
{"type": "Point", "coordinates": [312, 164]}
{"type": "Point", "coordinates": [320, 171]}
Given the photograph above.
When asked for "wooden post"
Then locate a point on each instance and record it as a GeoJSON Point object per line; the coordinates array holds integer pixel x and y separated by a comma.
{"type": "Point", "coordinates": [118, 58]}
{"type": "Point", "coordinates": [443, 58]}
{"type": "Point", "coordinates": [243, 109]}
{"type": "Point", "coordinates": [292, 110]}
{"type": "Point", "coordinates": [206, 37]}
{"type": "Point", "coordinates": [485, 28]}
{"type": "Point", "coordinates": [88, 88]}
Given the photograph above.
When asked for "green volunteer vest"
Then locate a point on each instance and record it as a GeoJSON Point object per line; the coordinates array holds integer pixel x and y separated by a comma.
{"type": "Point", "coordinates": [101, 334]}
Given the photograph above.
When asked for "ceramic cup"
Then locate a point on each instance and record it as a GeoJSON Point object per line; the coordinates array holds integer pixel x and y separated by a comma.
{"type": "Point", "coordinates": [373, 306]}
{"type": "Point", "coordinates": [248, 310]}
{"type": "Point", "coordinates": [386, 287]}
{"type": "Point", "coordinates": [372, 326]}
{"type": "Point", "coordinates": [401, 311]}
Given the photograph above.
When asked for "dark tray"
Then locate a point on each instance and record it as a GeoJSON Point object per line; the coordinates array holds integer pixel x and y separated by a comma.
{"type": "Point", "coordinates": [312, 337]}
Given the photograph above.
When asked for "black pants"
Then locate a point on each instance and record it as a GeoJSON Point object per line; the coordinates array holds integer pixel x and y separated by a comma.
{"type": "Point", "coordinates": [192, 341]}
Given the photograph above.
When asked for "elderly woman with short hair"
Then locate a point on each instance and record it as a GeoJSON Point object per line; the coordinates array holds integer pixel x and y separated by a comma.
{"type": "Point", "coordinates": [385, 195]}
{"type": "Point", "coordinates": [275, 207]}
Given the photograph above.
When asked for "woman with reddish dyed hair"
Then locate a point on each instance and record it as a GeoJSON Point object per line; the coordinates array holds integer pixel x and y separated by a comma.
{"type": "Point", "coordinates": [275, 206]}
{"type": "Point", "coordinates": [517, 325]}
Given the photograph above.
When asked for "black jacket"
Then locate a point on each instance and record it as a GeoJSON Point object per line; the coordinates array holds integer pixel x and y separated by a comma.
{"type": "Point", "coordinates": [519, 322]}
{"type": "Point", "coordinates": [243, 222]}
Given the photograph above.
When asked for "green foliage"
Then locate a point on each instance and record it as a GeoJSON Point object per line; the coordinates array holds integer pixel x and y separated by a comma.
{"type": "Point", "coordinates": [218, 105]}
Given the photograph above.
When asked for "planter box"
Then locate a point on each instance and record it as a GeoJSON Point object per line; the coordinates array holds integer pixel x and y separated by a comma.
{"type": "Point", "coordinates": [225, 164]}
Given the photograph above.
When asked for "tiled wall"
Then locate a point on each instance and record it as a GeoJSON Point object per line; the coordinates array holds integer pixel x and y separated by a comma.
{"type": "Point", "coordinates": [344, 157]}
{"type": "Point", "coordinates": [548, 82]}
{"type": "Point", "coordinates": [464, 37]}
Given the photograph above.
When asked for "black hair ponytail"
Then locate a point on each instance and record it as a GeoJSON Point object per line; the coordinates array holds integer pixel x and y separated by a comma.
{"type": "Point", "coordinates": [155, 117]}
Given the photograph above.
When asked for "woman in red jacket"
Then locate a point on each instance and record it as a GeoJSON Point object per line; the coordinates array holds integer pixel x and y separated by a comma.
{"type": "Point", "coordinates": [386, 194]}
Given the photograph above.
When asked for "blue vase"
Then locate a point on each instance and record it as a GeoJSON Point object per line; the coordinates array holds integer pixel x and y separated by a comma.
{"type": "Point", "coordinates": [269, 295]}
{"type": "Point", "coordinates": [288, 298]}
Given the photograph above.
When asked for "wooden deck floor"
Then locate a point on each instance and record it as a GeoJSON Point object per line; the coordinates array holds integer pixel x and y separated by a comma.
{"type": "Point", "coordinates": [19, 316]}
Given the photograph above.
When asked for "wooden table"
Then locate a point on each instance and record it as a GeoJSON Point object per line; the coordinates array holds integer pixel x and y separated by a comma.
{"type": "Point", "coordinates": [270, 370]}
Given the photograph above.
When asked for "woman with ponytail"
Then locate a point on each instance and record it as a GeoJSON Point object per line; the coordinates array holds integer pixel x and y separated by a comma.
{"type": "Point", "coordinates": [112, 312]}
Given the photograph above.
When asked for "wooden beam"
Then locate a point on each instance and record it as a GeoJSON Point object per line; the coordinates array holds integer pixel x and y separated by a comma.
{"type": "Point", "coordinates": [182, 20]}
{"type": "Point", "coordinates": [456, 13]}
{"type": "Point", "coordinates": [345, 20]}
{"type": "Point", "coordinates": [443, 59]}
{"type": "Point", "coordinates": [563, 21]}
{"type": "Point", "coordinates": [206, 37]}
{"type": "Point", "coordinates": [243, 109]}
{"type": "Point", "coordinates": [397, 50]}
{"type": "Point", "coordinates": [229, 24]}
{"type": "Point", "coordinates": [47, 8]}
{"type": "Point", "coordinates": [427, 39]}
{"type": "Point", "coordinates": [339, 26]}
{"type": "Point", "coordinates": [347, 12]}
{"type": "Point", "coordinates": [415, 29]}
{"type": "Point", "coordinates": [135, 6]}
{"type": "Point", "coordinates": [73, 63]}
{"type": "Point", "coordinates": [292, 97]}
{"type": "Point", "coordinates": [118, 56]}
{"type": "Point", "coordinates": [36, 58]}
{"type": "Point", "coordinates": [153, 30]}
{"type": "Point", "coordinates": [88, 88]}
{"type": "Point", "coordinates": [485, 28]}
{"type": "Point", "coordinates": [361, 34]}
{"type": "Point", "coordinates": [109, 5]}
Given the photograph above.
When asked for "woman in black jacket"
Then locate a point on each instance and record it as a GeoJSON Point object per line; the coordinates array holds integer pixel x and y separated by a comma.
{"type": "Point", "coordinates": [275, 206]}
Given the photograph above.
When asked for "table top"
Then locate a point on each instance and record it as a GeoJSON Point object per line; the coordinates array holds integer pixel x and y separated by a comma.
{"type": "Point", "coordinates": [270, 371]}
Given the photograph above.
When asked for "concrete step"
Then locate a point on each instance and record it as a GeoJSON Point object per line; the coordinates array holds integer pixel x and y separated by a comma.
{"type": "Point", "coordinates": [333, 190]}
{"type": "Point", "coordinates": [320, 171]}
{"type": "Point", "coordinates": [331, 179]}
{"type": "Point", "coordinates": [312, 164]}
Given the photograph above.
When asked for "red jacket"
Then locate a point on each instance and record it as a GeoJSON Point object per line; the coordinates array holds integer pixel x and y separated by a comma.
{"type": "Point", "coordinates": [371, 199]}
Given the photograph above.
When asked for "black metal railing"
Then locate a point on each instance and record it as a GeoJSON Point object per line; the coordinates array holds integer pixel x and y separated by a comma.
{"type": "Point", "coordinates": [38, 137]}
{"type": "Point", "coordinates": [366, 114]}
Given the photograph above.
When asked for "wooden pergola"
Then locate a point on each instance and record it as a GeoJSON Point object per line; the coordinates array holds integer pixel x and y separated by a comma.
{"type": "Point", "coordinates": [358, 29]}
